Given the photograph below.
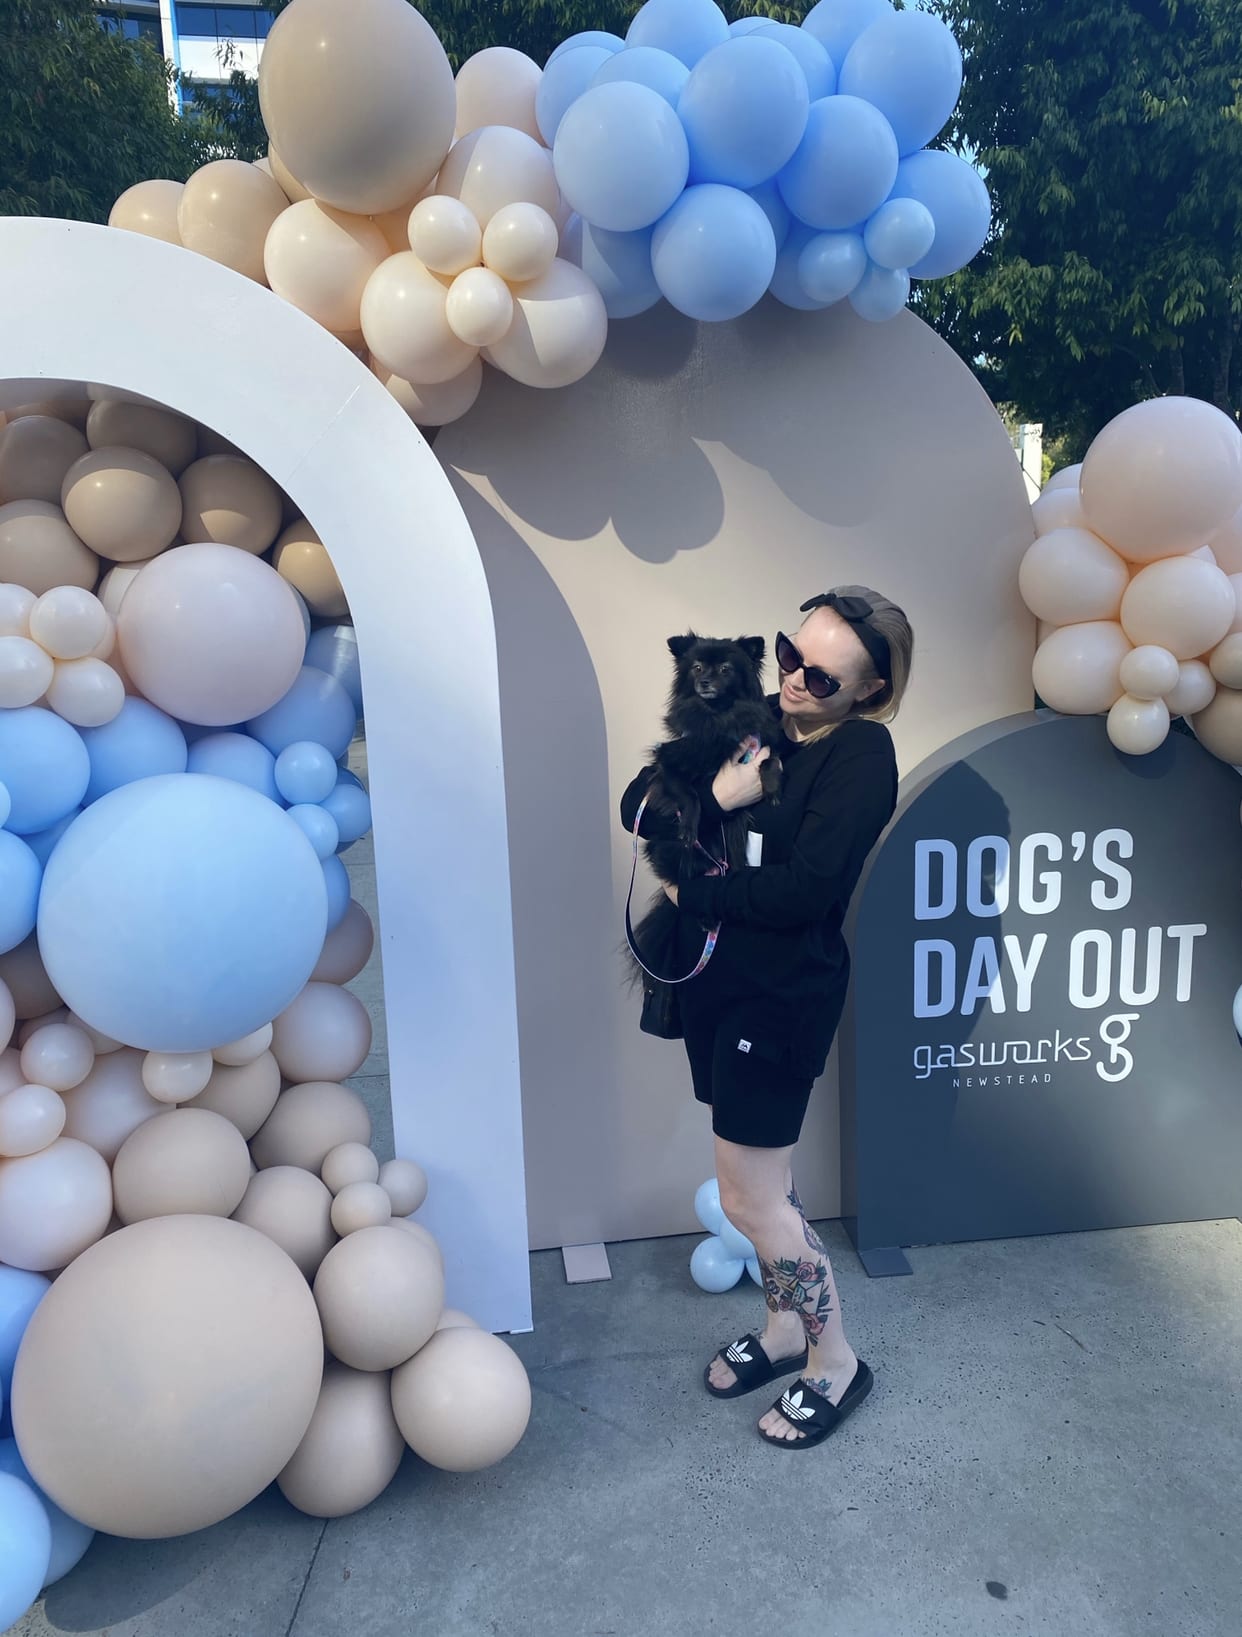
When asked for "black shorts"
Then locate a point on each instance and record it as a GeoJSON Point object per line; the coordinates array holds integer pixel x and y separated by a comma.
{"type": "Point", "coordinates": [757, 1098]}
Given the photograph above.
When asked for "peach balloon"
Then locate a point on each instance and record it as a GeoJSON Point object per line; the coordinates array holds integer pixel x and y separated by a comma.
{"type": "Point", "coordinates": [150, 208]}
{"type": "Point", "coordinates": [479, 307]}
{"type": "Point", "coordinates": [1163, 477]}
{"type": "Point", "coordinates": [1226, 544]}
{"type": "Point", "coordinates": [24, 975]}
{"type": "Point", "coordinates": [405, 322]}
{"type": "Point", "coordinates": [58, 1055]}
{"type": "Point", "coordinates": [497, 86]}
{"type": "Point", "coordinates": [424, 1236]}
{"type": "Point", "coordinates": [380, 1294]}
{"type": "Point", "coordinates": [434, 405]}
{"type": "Point", "coordinates": [320, 259]}
{"type": "Point", "coordinates": [237, 1053]}
{"type": "Point", "coordinates": [211, 634]}
{"type": "Point", "coordinates": [184, 1162]}
{"type": "Point", "coordinates": [231, 501]}
{"type": "Point", "coordinates": [31, 1119]}
{"type": "Point", "coordinates": [116, 582]}
{"type": "Point", "coordinates": [520, 242]}
{"type": "Point", "coordinates": [463, 1402]}
{"type": "Point", "coordinates": [1076, 669]}
{"type": "Point", "coordinates": [1225, 661]}
{"type": "Point", "coordinates": [347, 1163]}
{"type": "Point", "coordinates": [176, 1077]}
{"type": "Point", "coordinates": [86, 692]}
{"type": "Point", "coordinates": [285, 179]}
{"type": "Point", "coordinates": [359, 101]}
{"type": "Point", "coordinates": [1057, 509]}
{"type": "Point", "coordinates": [244, 1093]}
{"type": "Point", "coordinates": [444, 234]}
{"type": "Point", "coordinates": [1070, 575]}
{"type": "Point", "coordinates": [498, 166]}
{"type": "Point", "coordinates": [558, 330]}
{"type": "Point", "coordinates": [1067, 478]}
{"type": "Point", "coordinates": [1218, 728]}
{"type": "Point", "coordinates": [168, 438]}
{"type": "Point", "coordinates": [207, 1334]}
{"type": "Point", "coordinates": [323, 1034]}
{"type": "Point", "coordinates": [26, 672]}
{"type": "Point", "coordinates": [110, 1103]}
{"type": "Point", "coordinates": [309, 1121]}
{"type": "Point", "coordinates": [53, 1204]}
{"type": "Point", "coordinates": [121, 503]}
{"type": "Point", "coordinates": [1180, 604]}
{"type": "Point", "coordinates": [1149, 673]}
{"type": "Point", "coordinates": [226, 211]}
{"type": "Point", "coordinates": [347, 948]}
{"type": "Point", "coordinates": [69, 622]}
{"type": "Point", "coordinates": [360, 1205]}
{"type": "Point", "coordinates": [35, 454]}
{"type": "Point", "coordinates": [102, 1043]}
{"type": "Point", "coordinates": [352, 1448]}
{"type": "Point", "coordinates": [294, 1210]}
{"type": "Point", "coordinates": [1138, 726]}
{"type": "Point", "coordinates": [39, 550]}
{"type": "Point", "coordinates": [15, 605]}
{"type": "Point", "coordinates": [302, 559]}
{"type": "Point", "coordinates": [405, 1184]}
{"type": "Point", "coordinates": [395, 226]}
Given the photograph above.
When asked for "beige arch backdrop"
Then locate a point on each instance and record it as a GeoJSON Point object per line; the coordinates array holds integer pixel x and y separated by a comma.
{"type": "Point", "coordinates": [86, 303]}
{"type": "Point", "coordinates": [712, 476]}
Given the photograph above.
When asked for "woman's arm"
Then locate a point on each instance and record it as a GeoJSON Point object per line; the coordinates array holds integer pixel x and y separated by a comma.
{"type": "Point", "coordinates": [659, 826]}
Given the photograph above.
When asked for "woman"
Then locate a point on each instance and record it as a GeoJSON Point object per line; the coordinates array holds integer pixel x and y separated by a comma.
{"type": "Point", "coordinates": [760, 1019]}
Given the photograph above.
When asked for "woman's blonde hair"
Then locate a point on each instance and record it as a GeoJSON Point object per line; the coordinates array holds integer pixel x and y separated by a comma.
{"type": "Point", "coordinates": [889, 622]}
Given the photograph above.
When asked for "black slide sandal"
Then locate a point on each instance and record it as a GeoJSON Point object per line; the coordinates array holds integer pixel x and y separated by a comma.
{"type": "Point", "coordinates": [752, 1367]}
{"type": "Point", "coordinates": [811, 1412]}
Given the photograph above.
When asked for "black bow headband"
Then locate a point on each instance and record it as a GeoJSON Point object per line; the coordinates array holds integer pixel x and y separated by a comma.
{"type": "Point", "coordinates": [857, 612]}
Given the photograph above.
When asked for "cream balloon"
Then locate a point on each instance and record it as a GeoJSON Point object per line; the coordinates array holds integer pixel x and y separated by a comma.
{"type": "Point", "coordinates": [1149, 673]}
{"type": "Point", "coordinates": [435, 405]}
{"type": "Point", "coordinates": [69, 622]}
{"type": "Point", "coordinates": [168, 438]}
{"type": "Point", "coordinates": [424, 1236]}
{"type": "Point", "coordinates": [323, 1034]}
{"type": "Point", "coordinates": [1225, 661]}
{"type": "Point", "coordinates": [1218, 728]}
{"type": "Point", "coordinates": [26, 672]}
{"type": "Point", "coordinates": [31, 1026]}
{"type": "Point", "coordinates": [211, 634]}
{"type": "Point", "coordinates": [350, 1162]}
{"type": "Point", "coordinates": [1058, 509]}
{"type": "Point", "coordinates": [294, 1210]}
{"type": "Point", "coordinates": [309, 1121]}
{"type": "Point", "coordinates": [1076, 670]}
{"type": "Point", "coordinates": [1067, 478]}
{"type": "Point", "coordinates": [479, 307]}
{"type": "Point", "coordinates": [405, 1184]}
{"type": "Point", "coordinates": [1163, 477]}
{"type": "Point", "coordinates": [395, 226]}
{"type": "Point", "coordinates": [405, 322]}
{"type": "Point", "coordinates": [35, 454]}
{"type": "Point", "coordinates": [380, 1294]}
{"type": "Point", "coordinates": [352, 1448]}
{"type": "Point", "coordinates": [497, 86]}
{"type": "Point", "coordinates": [150, 208]}
{"type": "Point", "coordinates": [1226, 544]}
{"type": "Point", "coordinates": [31, 1119]}
{"type": "Point", "coordinates": [302, 559]}
{"type": "Point", "coordinates": [454, 1319]}
{"type": "Point", "coordinates": [101, 1042]}
{"type": "Point", "coordinates": [498, 166]}
{"type": "Point", "coordinates": [53, 1204]}
{"type": "Point", "coordinates": [1180, 604]}
{"type": "Point", "coordinates": [520, 242]}
{"type": "Point", "coordinates": [244, 1093]}
{"type": "Point", "coordinates": [226, 212]}
{"type": "Point", "coordinates": [347, 948]}
{"type": "Point", "coordinates": [184, 1162]}
{"type": "Point", "coordinates": [15, 605]}
{"type": "Point", "coordinates": [360, 102]}
{"type": "Point", "coordinates": [237, 1053]}
{"type": "Point", "coordinates": [463, 1402]}
{"type": "Point", "coordinates": [121, 503]}
{"type": "Point", "coordinates": [11, 1076]}
{"type": "Point", "coordinates": [285, 179]}
{"type": "Point", "coordinates": [208, 1335]}
{"type": "Point", "coordinates": [360, 1205]}
{"type": "Point", "coordinates": [39, 550]}
{"type": "Point", "coordinates": [265, 165]}
{"type": "Point", "coordinates": [1070, 575]}
{"type": "Point", "coordinates": [1138, 726]}
{"type": "Point", "coordinates": [58, 1055]}
{"type": "Point", "coordinates": [558, 330]}
{"type": "Point", "coordinates": [86, 692]}
{"type": "Point", "coordinates": [176, 1077]}
{"type": "Point", "coordinates": [231, 501]}
{"type": "Point", "coordinates": [444, 234]}
{"type": "Point", "coordinates": [116, 582]}
{"type": "Point", "coordinates": [110, 1103]}
{"type": "Point", "coordinates": [320, 259]}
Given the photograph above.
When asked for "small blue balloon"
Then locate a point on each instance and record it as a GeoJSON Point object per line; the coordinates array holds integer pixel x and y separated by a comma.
{"type": "Point", "coordinates": [336, 882]}
{"type": "Point", "coordinates": [786, 284]}
{"type": "Point", "coordinates": [20, 1294]}
{"type": "Point", "coordinates": [563, 82]}
{"type": "Point", "coordinates": [908, 66]}
{"type": "Point", "coordinates": [334, 649]}
{"type": "Point", "coordinates": [814, 61]}
{"type": "Point", "coordinates": [20, 875]}
{"type": "Point", "coordinates": [137, 744]}
{"type": "Point", "coordinates": [845, 165]}
{"type": "Point", "coordinates": [316, 707]}
{"type": "Point", "coordinates": [687, 28]}
{"type": "Point", "coordinates": [660, 71]}
{"type": "Point", "coordinates": [305, 772]}
{"type": "Point", "coordinates": [748, 25]}
{"type": "Point", "coordinates": [831, 266]}
{"type": "Point", "coordinates": [713, 1269]}
{"type": "Point", "coordinates": [590, 36]}
{"type": "Point", "coordinates": [954, 193]}
{"type": "Point", "coordinates": [318, 826]}
{"type": "Point", "coordinates": [744, 109]}
{"type": "Point", "coordinates": [836, 24]}
{"type": "Point", "coordinates": [881, 294]}
{"type": "Point", "coordinates": [619, 265]}
{"type": "Point", "coordinates": [42, 841]}
{"type": "Point", "coordinates": [238, 757]}
{"type": "Point", "coordinates": [714, 254]}
{"type": "Point", "coordinates": [350, 806]}
{"type": "Point", "coordinates": [768, 197]}
{"type": "Point", "coordinates": [736, 1244]}
{"type": "Point", "coordinates": [756, 1273]}
{"type": "Point", "coordinates": [621, 156]}
{"type": "Point", "coordinates": [707, 1206]}
{"type": "Point", "coordinates": [900, 233]}
{"type": "Point", "coordinates": [6, 804]}
{"type": "Point", "coordinates": [25, 1548]}
{"type": "Point", "coordinates": [70, 1538]}
{"type": "Point", "coordinates": [43, 765]}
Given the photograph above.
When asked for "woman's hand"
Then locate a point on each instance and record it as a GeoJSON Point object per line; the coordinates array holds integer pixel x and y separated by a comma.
{"type": "Point", "coordinates": [737, 784]}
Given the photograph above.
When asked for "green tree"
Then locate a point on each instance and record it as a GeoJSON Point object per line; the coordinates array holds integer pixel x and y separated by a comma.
{"type": "Point", "coordinates": [83, 113]}
{"type": "Point", "coordinates": [1111, 134]}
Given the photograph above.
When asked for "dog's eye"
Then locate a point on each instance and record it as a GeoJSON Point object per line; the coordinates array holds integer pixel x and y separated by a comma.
{"type": "Point", "coordinates": [697, 667]}
{"type": "Point", "coordinates": [726, 668]}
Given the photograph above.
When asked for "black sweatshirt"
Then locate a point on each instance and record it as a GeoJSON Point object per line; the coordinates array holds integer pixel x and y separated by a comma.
{"type": "Point", "coordinates": [781, 967]}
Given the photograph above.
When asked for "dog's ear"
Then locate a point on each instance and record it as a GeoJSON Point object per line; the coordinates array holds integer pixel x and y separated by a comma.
{"type": "Point", "coordinates": [755, 647]}
{"type": "Point", "coordinates": [679, 647]}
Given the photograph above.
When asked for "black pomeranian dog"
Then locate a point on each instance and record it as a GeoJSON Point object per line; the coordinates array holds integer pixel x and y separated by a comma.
{"type": "Point", "coordinates": [716, 705]}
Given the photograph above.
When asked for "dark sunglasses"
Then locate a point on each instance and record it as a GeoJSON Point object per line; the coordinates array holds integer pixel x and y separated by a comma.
{"type": "Point", "coordinates": [819, 684]}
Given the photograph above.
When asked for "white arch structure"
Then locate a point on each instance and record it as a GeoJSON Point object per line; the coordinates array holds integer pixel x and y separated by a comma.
{"type": "Point", "coordinates": [86, 303]}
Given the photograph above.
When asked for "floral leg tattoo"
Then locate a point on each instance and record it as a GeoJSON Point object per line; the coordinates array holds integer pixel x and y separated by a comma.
{"type": "Point", "coordinates": [815, 1321]}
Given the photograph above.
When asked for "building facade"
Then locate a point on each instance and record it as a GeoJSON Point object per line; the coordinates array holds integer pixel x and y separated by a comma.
{"type": "Point", "coordinates": [205, 43]}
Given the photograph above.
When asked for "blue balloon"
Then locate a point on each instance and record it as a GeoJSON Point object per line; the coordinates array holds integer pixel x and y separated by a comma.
{"type": "Point", "coordinates": [831, 266]}
{"type": "Point", "coordinates": [836, 24]}
{"type": "Point", "coordinates": [304, 610]}
{"type": "Point", "coordinates": [563, 82]}
{"type": "Point", "coordinates": [748, 25]}
{"type": "Point", "coordinates": [42, 841]}
{"type": "Point", "coordinates": [139, 743]}
{"type": "Point", "coordinates": [900, 233]}
{"type": "Point", "coordinates": [20, 1294]}
{"type": "Point", "coordinates": [881, 294]}
{"type": "Point", "coordinates": [20, 875]}
{"type": "Point", "coordinates": [713, 255]}
{"type": "Point", "coordinates": [318, 826]}
{"type": "Point", "coordinates": [350, 806]}
{"type": "Point", "coordinates": [908, 66]}
{"type": "Point", "coordinates": [590, 36]}
{"type": "Point", "coordinates": [238, 757]}
{"type": "Point", "coordinates": [707, 1206]}
{"type": "Point", "coordinates": [744, 109]}
{"type": "Point", "coordinates": [735, 1243]}
{"type": "Point", "coordinates": [305, 772]}
{"type": "Point", "coordinates": [713, 1269]}
{"type": "Point", "coordinates": [768, 197]}
{"type": "Point", "coordinates": [954, 193]}
{"type": "Point", "coordinates": [43, 765]}
{"type": "Point", "coordinates": [334, 648]}
{"type": "Point", "coordinates": [814, 61]}
{"type": "Point", "coordinates": [25, 1548]}
{"type": "Point", "coordinates": [336, 884]}
{"type": "Point", "coordinates": [619, 265]}
{"type": "Point", "coordinates": [70, 1538]}
{"type": "Point", "coordinates": [181, 912]}
{"type": "Point", "coordinates": [6, 804]}
{"type": "Point", "coordinates": [316, 707]}
{"type": "Point", "coordinates": [756, 1273]}
{"type": "Point", "coordinates": [687, 28]}
{"type": "Point", "coordinates": [844, 167]}
{"type": "Point", "coordinates": [621, 156]}
{"type": "Point", "coordinates": [786, 284]}
{"type": "Point", "coordinates": [660, 71]}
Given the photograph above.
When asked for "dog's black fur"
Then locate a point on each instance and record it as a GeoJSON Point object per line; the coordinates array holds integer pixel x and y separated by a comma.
{"type": "Point", "coordinates": [715, 705]}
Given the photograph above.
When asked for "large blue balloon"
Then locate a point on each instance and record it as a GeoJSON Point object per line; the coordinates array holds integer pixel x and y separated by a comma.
{"type": "Point", "coordinates": [744, 108]}
{"type": "Point", "coordinates": [660, 71]}
{"type": "Point", "coordinates": [334, 648]}
{"type": "Point", "coordinates": [563, 82]}
{"type": "Point", "coordinates": [139, 743]}
{"type": "Point", "coordinates": [881, 294]}
{"type": "Point", "coordinates": [25, 1548]}
{"type": "Point", "coordinates": [900, 233]}
{"type": "Point", "coordinates": [70, 1538]}
{"type": "Point", "coordinates": [621, 156]}
{"type": "Point", "coordinates": [687, 28]}
{"type": "Point", "coordinates": [836, 24]}
{"type": "Point", "coordinates": [316, 707]}
{"type": "Point", "coordinates": [786, 284]}
{"type": "Point", "coordinates": [814, 61]}
{"type": "Point", "coordinates": [590, 36]}
{"type": "Point", "coordinates": [954, 193]}
{"type": "Point", "coordinates": [20, 1294]}
{"type": "Point", "coordinates": [713, 255]}
{"type": "Point", "coordinates": [619, 265]}
{"type": "Point", "coordinates": [43, 765]}
{"type": "Point", "coordinates": [181, 912]}
{"type": "Point", "coordinates": [844, 167]}
{"type": "Point", "coordinates": [831, 266]}
{"type": "Point", "coordinates": [238, 757]}
{"type": "Point", "coordinates": [20, 875]}
{"type": "Point", "coordinates": [910, 68]}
